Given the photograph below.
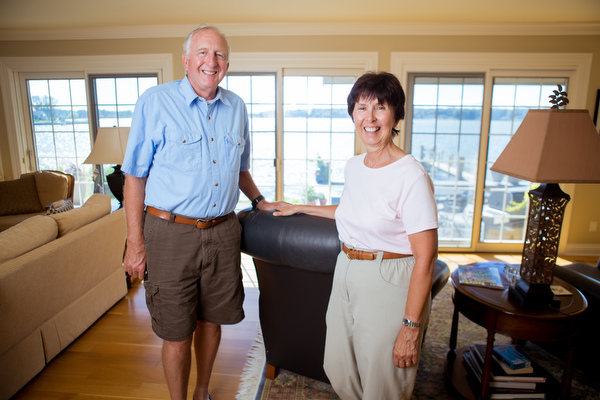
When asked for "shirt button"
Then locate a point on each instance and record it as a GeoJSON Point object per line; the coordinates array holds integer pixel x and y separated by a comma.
{"type": "Point", "coordinates": [183, 141]}
{"type": "Point", "coordinates": [216, 183]}
{"type": "Point", "coordinates": [214, 161]}
{"type": "Point", "coordinates": [214, 205]}
{"type": "Point", "coordinates": [212, 140]}
{"type": "Point", "coordinates": [208, 117]}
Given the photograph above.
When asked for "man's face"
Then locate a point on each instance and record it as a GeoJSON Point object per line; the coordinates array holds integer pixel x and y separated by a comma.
{"type": "Point", "coordinates": [207, 62]}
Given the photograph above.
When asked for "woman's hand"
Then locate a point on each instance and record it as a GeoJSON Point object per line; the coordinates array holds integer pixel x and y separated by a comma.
{"type": "Point", "coordinates": [287, 210]}
{"type": "Point", "coordinates": [405, 350]}
{"type": "Point", "coordinates": [267, 206]}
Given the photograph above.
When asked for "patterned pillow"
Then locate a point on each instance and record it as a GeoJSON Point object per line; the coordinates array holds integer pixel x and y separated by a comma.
{"type": "Point", "coordinates": [59, 207]}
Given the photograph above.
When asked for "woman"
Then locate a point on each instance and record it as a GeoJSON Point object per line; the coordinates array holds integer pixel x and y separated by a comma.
{"type": "Point", "coordinates": [387, 222]}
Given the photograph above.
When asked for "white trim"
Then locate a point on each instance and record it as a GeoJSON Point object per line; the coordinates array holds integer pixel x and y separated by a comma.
{"type": "Point", "coordinates": [313, 29]}
{"type": "Point", "coordinates": [273, 62]}
{"type": "Point", "coordinates": [12, 67]}
{"type": "Point", "coordinates": [585, 249]}
{"type": "Point", "coordinates": [577, 66]}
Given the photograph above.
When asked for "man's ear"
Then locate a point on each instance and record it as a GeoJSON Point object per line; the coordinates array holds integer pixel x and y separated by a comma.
{"type": "Point", "coordinates": [184, 60]}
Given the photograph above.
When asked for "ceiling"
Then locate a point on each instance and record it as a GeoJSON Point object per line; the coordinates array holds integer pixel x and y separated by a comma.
{"type": "Point", "coordinates": [51, 14]}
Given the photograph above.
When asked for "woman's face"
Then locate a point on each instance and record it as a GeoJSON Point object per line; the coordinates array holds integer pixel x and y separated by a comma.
{"type": "Point", "coordinates": [374, 122]}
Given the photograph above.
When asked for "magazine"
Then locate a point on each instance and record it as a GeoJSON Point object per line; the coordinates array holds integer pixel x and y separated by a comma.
{"type": "Point", "coordinates": [481, 274]}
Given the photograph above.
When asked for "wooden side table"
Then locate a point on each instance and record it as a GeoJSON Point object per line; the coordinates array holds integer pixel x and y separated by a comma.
{"type": "Point", "coordinates": [498, 312]}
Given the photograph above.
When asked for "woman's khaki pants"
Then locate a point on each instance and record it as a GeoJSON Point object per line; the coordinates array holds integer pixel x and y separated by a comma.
{"type": "Point", "coordinates": [364, 318]}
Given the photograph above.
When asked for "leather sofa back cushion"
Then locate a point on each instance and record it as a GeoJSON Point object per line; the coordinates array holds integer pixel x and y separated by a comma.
{"type": "Point", "coordinates": [94, 208]}
{"type": "Point", "coordinates": [19, 196]}
{"type": "Point", "coordinates": [51, 187]}
{"type": "Point", "coordinates": [26, 236]}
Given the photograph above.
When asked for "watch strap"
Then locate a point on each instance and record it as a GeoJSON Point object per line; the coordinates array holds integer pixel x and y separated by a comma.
{"type": "Point", "coordinates": [256, 201]}
{"type": "Point", "coordinates": [411, 324]}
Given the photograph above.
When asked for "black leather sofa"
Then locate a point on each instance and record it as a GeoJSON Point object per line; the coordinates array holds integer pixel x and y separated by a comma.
{"type": "Point", "coordinates": [586, 278]}
{"type": "Point", "coordinates": [294, 259]}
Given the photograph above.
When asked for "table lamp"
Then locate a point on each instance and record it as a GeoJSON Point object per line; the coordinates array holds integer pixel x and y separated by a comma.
{"type": "Point", "coordinates": [551, 146]}
{"type": "Point", "coordinates": [109, 148]}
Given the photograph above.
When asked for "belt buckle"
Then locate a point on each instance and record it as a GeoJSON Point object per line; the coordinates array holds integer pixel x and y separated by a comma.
{"type": "Point", "coordinates": [348, 252]}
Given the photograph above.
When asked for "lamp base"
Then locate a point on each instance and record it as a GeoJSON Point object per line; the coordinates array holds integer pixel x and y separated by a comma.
{"type": "Point", "coordinates": [534, 296]}
{"type": "Point", "coordinates": [116, 181]}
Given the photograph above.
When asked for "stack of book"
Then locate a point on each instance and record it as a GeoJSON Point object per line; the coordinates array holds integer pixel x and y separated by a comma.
{"type": "Point", "coordinates": [513, 375]}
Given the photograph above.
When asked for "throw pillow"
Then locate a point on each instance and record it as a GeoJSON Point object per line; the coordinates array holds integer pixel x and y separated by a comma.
{"type": "Point", "coordinates": [51, 186]}
{"type": "Point", "coordinates": [59, 206]}
{"type": "Point", "coordinates": [19, 196]}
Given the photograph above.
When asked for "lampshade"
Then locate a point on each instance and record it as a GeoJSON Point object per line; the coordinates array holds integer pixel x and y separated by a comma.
{"type": "Point", "coordinates": [553, 146]}
{"type": "Point", "coordinates": [109, 147]}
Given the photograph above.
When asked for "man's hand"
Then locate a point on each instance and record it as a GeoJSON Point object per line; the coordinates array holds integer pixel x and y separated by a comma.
{"type": "Point", "coordinates": [134, 262]}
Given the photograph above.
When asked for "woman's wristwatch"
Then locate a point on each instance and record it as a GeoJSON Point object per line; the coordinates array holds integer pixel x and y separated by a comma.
{"type": "Point", "coordinates": [256, 201]}
{"type": "Point", "coordinates": [411, 324]}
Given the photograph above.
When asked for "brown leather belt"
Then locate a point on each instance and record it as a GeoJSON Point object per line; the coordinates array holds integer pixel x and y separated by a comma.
{"type": "Point", "coordinates": [199, 223]}
{"type": "Point", "coordinates": [354, 254]}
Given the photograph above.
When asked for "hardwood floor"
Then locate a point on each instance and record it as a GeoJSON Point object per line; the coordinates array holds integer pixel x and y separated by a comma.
{"type": "Point", "coordinates": [119, 357]}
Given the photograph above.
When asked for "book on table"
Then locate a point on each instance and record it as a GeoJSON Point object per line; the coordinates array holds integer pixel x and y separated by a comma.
{"type": "Point", "coordinates": [481, 274]}
{"type": "Point", "coordinates": [501, 389]}
{"type": "Point", "coordinates": [511, 357]}
{"type": "Point", "coordinates": [502, 372]}
{"type": "Point", "coordinates": [529, 383]}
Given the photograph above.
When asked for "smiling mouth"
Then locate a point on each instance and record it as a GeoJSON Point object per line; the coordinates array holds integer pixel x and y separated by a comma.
{"type": "Point", "coordinates": [372, 130]}
{"type": "Point", "coordinates": [209, 72]}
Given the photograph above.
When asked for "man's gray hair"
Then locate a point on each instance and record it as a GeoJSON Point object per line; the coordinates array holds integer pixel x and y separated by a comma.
{"type": "Point", "coordinates": [188, 40]}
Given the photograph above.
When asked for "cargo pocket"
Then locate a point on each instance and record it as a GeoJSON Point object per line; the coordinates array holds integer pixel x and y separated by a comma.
{"type": "Point", "coordinates": [153, 301]}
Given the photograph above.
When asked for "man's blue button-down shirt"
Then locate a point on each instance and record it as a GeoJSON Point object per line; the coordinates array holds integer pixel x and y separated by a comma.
{"type": "Point", "coordinates": [191, 151]}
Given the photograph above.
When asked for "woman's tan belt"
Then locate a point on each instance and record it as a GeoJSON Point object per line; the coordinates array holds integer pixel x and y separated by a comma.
{"type": "Point", "coordinates": [354, 254]}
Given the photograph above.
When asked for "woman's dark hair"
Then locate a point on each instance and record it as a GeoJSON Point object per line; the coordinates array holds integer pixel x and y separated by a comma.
{"type": "Point", "coordinates": [384, 87]}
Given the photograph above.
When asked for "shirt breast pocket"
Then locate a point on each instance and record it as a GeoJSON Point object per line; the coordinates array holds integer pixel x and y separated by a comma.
{"type": "Point", "coordinates": [184, 149]}
{"type": "Point", "coordinates": [235, 147]}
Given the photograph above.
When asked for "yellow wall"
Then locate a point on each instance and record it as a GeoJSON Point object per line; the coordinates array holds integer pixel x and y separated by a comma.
{"type": "Point", "coordinates": [584, 206]}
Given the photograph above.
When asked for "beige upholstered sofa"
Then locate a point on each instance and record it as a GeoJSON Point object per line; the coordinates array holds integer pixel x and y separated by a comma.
{"type": "Point", "coordinates": [58, 274]}
{"type": "Point", "coordinates": [33, 194]}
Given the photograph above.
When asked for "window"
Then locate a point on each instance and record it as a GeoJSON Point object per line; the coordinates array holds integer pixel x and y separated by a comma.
{"type": "Point", "coordinates": [113, 103]}
{"type": "Point", "coordinates": [258, 92]}
{"type": "Point", "coordinates": [48, 119]}
{"type": "Point", "coordinates": [444, 117]}
{"type": "Point", "coordinates": [318, 137]}
{"type": "Point", "coordinates": [506, 204]}
{"type": "Point", "coordinates": [303, 157]}
{"type": "Point", "coordinates": [60, 127]}
{"type": "Point", "coordinates": [494, 91]}
{"type": "Point", "coordinates": [115, 98]}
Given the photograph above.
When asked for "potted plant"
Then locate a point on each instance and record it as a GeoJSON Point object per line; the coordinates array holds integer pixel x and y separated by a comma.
{"type": "Point", "coordinates": [322, 172]}
{"type": "Point", "coordinates": [313, 197]}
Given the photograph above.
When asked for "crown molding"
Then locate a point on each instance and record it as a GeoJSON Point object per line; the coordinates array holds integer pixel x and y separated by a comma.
{"type": "Point", "coordinates": [312, 29]}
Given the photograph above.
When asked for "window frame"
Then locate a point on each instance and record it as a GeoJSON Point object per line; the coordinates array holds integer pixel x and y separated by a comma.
{"type": "Point", "coordinates": [314, 63]}
{"type": "Point", "coordinates": [13, 70]}
{"type": "Point", "coordinates": [576, 67]}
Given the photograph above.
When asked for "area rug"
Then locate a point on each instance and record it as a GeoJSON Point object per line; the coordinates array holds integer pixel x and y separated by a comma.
{"type": "Point", "coordinates": [430, 384]}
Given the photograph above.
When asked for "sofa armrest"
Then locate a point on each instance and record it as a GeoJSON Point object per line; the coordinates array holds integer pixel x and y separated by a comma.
{"type": "Point", "coordinates": [585, 277]}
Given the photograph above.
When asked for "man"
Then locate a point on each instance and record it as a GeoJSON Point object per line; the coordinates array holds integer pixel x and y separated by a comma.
{"type": "Point", "coordinates": [187, 156]}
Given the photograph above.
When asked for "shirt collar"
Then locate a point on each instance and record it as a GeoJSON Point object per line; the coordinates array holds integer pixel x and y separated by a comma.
{"type": "Point", "coordinates": [190, 94]}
